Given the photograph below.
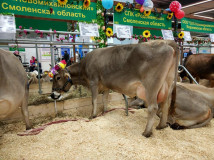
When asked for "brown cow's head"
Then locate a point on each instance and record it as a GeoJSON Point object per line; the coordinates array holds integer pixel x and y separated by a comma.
{"type": "Point", "coordinates": [61, 83]}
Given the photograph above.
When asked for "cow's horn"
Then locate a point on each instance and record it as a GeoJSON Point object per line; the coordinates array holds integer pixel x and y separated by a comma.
{"type": "Point", "coordinates": [67, 75]}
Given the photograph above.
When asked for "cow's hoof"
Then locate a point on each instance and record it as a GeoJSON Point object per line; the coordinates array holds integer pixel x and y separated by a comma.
{"type": "Point", "coordinates": [92, 117]}
{"type": "Point", "coordinates": [28, 128]}
{"type": "Point", "coordinates": [159, 127]}
{"type": "Point", "coordinates": [147, 134]}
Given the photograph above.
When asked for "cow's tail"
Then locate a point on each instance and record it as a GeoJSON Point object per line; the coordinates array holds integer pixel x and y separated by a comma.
{"type": "Point", "coordinates": [29, 82]}
{"type": "Point", "coordinates": [176, 48]}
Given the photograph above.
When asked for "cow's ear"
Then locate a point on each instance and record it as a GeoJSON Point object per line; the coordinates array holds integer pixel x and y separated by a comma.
{"type": "Point", "coordinates": [67, 75]}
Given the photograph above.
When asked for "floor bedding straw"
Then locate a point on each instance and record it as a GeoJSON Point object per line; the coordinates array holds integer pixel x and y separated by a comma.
{"type": "Point", "coordinates": [113, 136]}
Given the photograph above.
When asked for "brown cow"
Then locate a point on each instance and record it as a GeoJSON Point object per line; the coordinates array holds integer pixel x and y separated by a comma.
{"type": "Point", "coordinates": [194, 106]}
{"type": "Point", "coordinates": [201, 66]}
{"type": "Point", "coordinates": [13, 87]}
{"type": "Point", "coordinates": [145, 70]}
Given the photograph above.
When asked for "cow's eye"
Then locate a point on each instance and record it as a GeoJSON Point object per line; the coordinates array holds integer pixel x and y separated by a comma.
{"type": "Point", "coordinates": [58, 78]}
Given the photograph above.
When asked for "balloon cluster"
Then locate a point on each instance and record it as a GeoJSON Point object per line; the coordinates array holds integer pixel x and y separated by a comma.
{"type": "Point", "coordinates": [147, 5]}
{"type": "Point", "coordinates": [175, 7]}
{"type": "Point", "coordinates": [58, 66]}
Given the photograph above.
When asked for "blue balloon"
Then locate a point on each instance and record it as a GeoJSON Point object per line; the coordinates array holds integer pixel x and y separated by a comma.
{"type": "Point", "coordinates": [168, 9]}
{"type": "Point", "coordinates": [107, 4]}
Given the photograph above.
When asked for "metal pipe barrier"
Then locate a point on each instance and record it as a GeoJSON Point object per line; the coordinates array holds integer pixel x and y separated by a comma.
{"type": "Point", "coordinates": [37, 56]}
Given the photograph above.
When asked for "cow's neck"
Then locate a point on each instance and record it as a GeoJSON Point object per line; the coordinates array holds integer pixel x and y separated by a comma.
{"type": "Point", "coordinates": [76, 74]}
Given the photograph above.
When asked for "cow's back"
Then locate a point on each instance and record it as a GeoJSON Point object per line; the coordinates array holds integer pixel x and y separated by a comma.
{"type": "Point", "coordinates": [13, 77]}
{"type": "Point", "coordinates": [108, 60]}
{"type": "Point", "coordinates": [200, 65]}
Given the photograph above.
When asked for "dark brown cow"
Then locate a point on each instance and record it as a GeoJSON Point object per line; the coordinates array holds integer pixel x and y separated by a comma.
{"type": "Point", "coordinates": [201, 66]}
{"type": "Point", "coordinates": [145, 70]}
{"type": "Point", "coordinates": [193, 107]}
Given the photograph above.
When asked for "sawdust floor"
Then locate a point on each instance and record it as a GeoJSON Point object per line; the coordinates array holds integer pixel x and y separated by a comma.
{"type": "Point", "coordinates": [113, 136]}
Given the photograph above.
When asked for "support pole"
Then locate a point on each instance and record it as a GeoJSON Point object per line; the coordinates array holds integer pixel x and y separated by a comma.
{"type": "Point", "coordinates": [182, 52]}
{"type": "Point", "coordinates": [37, 57]}
{"type": "Point", "coordinates": [74, 36]}
{"type": "Point", "coordinates": [51, 48]}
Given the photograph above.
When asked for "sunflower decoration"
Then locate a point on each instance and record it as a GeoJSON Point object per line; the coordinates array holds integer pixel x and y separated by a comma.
{"type": "Point", "coordinates": [86, 3]}
{"type": "Point", "coordinates": [170, 15]}
{"type": "Point", "coordinates": [147, 13]}
{"type": "Point", "coordinates": [62, 2]}
{"type": "Point", "coordinates": [181, 35]}
{"type": "Point", "coordinates": [119, 7]}
{"type": "Point", "coordinates": [146, 34]}
{"type": "Point", "coordinates": [109, 32]}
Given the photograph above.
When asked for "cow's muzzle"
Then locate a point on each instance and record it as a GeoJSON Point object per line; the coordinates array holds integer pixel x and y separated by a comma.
{"type": "Point", "coordinates": [55, 95]}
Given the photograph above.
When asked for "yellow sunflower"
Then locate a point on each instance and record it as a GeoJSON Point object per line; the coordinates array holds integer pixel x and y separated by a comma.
{"type": "Point", "coordinates": [146, 34]}
{"type": "Point", "coordinates": [119, 7]}
{"type": "Point", "coordinates": [147, 13]}
{"type": "Point", "coordinates": [86, 3]}
{"type": "Point", "coordinates": [170, 15]}
{"type": "Point", "coordinates": [109, 32]}
{"type": "Point", "coordinates": [181, 35]}
{"type": "Point", "coordinates": [62, 2]}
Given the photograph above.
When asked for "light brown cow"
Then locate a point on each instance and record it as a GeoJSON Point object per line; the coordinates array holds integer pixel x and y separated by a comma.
{"type": "Point", "coordinates": [193, 107]}
{"type": "Point", "coordinates": [13, 87]}
{"type": "Point", "coordinates": [145, 70]}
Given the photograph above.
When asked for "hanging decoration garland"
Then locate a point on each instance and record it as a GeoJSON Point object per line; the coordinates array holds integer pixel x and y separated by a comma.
{"type": "Point", "coordinates": [86, 3]}
{"type": "Point", "coordinates": [199, 41]}
{"type": "Point", "coordinates": [62, 2]}
{"type": "Point", "coordinates": [42, 35]}
{"type": "Point", "coordinates": [102, 39]}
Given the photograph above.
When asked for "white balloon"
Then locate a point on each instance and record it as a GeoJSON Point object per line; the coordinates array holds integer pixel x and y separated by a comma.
{"type": "Point", "coordinates": [148, 5]}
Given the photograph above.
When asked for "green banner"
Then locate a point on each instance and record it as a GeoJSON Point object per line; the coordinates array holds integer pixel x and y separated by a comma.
{"type": "Point", "coordinates": [194, 25]}
{"type": "Point", "coordinates": [139, 31]}
{"type": "Point", "coordinates": [135, 18]}
{"type": "Point", "coordinates": [41, 24]}
{"type": "Point", "coordinates": [15, 49]}
{"type": "Point", "coordinates": [41, 8]}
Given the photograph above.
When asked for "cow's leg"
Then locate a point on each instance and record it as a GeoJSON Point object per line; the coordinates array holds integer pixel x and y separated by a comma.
{"type": "Point", "coordinates": [152, 110]}
{"type": "Point", "coordinates": [190, 80]}
{"type": "Point", "coordinates": [212, 83]}
{"type": "Point", "coordinates": [164, 114]}
{"type": "Point", "coordinates": [197, 79]}
{"type": "Point", "coordinates": [94, 91]}
{"type": "Point", "coordinates": [105, 99]}
{"type": "Point", "coordinates": [25, 113]}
